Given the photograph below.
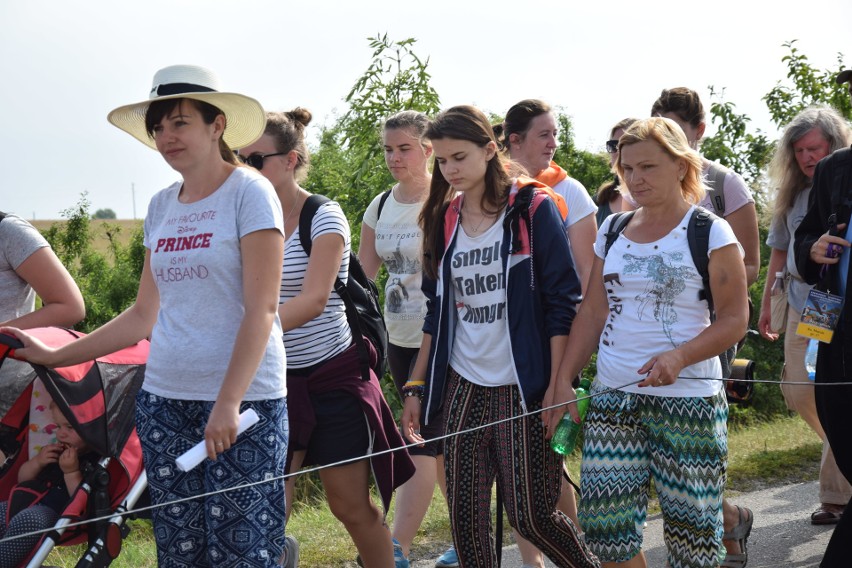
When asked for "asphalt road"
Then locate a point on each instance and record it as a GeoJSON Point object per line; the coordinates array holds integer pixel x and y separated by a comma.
{"type": "Point", "coordinates": [782, 534]}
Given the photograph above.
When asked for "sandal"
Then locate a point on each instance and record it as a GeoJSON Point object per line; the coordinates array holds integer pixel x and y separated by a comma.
{"type": "Point", "coordinates": [739, 533]}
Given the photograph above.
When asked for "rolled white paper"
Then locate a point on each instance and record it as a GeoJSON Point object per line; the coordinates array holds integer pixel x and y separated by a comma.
{"type": "Point", "coordinates": [196, 454]}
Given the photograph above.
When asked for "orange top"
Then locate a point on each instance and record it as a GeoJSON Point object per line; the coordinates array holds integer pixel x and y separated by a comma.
{"type": "Point", "coordinates": [552, 175]}
{"type": "Point", "coordinates": [541, 184]}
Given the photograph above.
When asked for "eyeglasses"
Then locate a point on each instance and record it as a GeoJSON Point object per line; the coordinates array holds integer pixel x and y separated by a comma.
{"type": "Point", "coordinates": [612, 146]}
{"type": "Point", "coordinates": [256, 160]}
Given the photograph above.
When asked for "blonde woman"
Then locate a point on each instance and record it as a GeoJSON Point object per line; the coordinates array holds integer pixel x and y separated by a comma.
{"type": "Point", "coordinates": [671, 426]}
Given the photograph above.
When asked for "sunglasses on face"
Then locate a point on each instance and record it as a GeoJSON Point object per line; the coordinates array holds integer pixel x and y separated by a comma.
{"type": "Point", "coordinates": [256, 160]}
{"type": "Point", "coordinates": [612, 146]}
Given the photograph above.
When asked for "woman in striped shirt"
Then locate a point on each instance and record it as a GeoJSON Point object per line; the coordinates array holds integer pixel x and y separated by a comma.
{"type": "Point", "coordinates": [334, 415]}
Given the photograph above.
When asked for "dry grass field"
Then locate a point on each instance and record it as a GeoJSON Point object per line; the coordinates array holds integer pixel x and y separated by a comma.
{"type": "Point", "coordinates": [98, 229]}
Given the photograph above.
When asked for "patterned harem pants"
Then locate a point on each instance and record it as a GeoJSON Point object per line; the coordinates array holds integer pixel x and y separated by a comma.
{"type": "Point", "coordinates": [528, 473]}
{"type": "Point", "coordinates": [242, 528]}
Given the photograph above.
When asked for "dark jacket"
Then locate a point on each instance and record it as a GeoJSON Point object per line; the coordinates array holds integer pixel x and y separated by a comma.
{"type": "Point", "coordinates": [542, 292]}
{"type": "Point", "coordinates": [831, 194]}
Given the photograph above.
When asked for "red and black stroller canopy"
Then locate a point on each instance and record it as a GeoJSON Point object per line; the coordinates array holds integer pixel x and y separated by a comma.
{"type": "Point", "coordinates": [97, 397]}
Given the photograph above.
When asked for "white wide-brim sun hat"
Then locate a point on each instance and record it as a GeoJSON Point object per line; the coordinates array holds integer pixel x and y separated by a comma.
{"type": "Point", "coordinates": [244, 117]}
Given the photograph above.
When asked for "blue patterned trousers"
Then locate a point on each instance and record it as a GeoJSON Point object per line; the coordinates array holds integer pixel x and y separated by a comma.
{"type": "Point", "coordinates": [240, 528]}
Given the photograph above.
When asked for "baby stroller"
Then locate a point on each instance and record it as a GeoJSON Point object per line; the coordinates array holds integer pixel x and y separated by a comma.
{"type": "Point", "coordinates": [98, 399]}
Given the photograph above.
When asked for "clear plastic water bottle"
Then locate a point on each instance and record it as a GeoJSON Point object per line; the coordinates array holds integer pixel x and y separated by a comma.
{"type": "Point", "coordinates": [565, 437]}
{"type": "Point", "coordinates": [811, 358]}
{"type": "Point", "coordinates": [778, 285]}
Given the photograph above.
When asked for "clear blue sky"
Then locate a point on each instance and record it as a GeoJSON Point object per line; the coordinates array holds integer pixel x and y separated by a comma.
{"type": "Point", "coordinates": [65, 65]}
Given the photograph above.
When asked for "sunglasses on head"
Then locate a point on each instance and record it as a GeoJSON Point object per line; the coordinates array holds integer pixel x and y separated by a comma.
{"type": "Point", "coordinates": [256, 160]}
{"type": "Point", "coordinates": [612, 146]}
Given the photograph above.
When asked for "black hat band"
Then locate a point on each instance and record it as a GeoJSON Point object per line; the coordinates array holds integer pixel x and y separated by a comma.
{"type": "Point", "coordinates": [181, 88]}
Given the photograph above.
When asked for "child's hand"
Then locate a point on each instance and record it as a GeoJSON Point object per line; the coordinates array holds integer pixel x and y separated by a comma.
{"type": "Point", "coordinates": [48, 454]}
{"type": "Point", "coordinates": [68, 460]}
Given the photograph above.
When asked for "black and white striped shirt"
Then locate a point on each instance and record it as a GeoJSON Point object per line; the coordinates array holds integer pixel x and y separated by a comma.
{"type": "Point", "coordinates": [328, 334]}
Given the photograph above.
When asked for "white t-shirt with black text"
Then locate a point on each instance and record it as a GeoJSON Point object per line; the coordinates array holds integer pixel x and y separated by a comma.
{"type": "Point", "coordinates": [481, 352]}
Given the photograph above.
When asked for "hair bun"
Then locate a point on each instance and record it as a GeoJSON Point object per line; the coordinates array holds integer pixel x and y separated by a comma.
{"type": "Point", "coordinates": [301, 115]}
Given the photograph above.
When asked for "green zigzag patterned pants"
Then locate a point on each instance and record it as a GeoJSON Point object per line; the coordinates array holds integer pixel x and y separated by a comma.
{"type": "Point", "coordinates": [679, 442]}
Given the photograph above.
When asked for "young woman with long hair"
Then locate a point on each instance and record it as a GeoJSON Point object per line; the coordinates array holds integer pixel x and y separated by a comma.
{"type": "Point", "coordinates": [501, 292]}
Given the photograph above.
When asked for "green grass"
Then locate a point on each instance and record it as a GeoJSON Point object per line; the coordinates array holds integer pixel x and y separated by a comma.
{"type": "Point", "coordinates": [781, 451]}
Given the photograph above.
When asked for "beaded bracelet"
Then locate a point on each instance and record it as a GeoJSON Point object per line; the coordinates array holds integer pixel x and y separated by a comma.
{"type": "Point", "coordinates": [413, 390]}
{"type": "Point", "coordinates": [410, 383]}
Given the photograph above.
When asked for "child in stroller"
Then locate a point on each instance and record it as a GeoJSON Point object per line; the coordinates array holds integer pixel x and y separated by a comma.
{"type": "Point", "coordinates": [46, 483]}
{"type": "Point", "coordinates": [88, 407]}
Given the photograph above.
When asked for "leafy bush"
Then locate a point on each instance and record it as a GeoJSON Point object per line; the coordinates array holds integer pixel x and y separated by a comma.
{"type": "Point", "coordinates": [109, 282]}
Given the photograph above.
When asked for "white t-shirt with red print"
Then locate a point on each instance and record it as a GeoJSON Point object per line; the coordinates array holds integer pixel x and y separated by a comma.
{"type": "Point", "coordinates": [196, 265]}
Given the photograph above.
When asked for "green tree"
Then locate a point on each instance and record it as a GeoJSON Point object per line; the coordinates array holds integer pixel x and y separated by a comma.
{"type": "Point", "coordinates": [590, 169]}
{"type": "Point", "coordinates": [349, 164]}
{"type": "Point", "coordinates": [749, 153]}
{"type": "Point", "coordinates": [810, 86]}
{"type": "Point", "coordinates": [104, 214]}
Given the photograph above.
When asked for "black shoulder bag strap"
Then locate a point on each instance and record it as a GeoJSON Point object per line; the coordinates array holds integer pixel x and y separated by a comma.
{"type": "Point", "coordinates": [382, 200]}
{"type": "Point", "coordinates": [616, 227]}
{"type": "Point", "coordinates": [306, 218]}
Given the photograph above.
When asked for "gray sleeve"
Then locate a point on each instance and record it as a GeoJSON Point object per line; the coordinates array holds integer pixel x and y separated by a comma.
{"type": "Point", "coordinates": [779, 235]}
{"type": "Point", "coordinates": [19, 240]}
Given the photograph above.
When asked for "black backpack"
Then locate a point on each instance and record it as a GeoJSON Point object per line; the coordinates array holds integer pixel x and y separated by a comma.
{"type": "Point", "coordinates": [360, 297]}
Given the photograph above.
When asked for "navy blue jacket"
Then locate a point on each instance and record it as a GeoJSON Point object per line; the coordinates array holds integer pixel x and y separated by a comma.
{"type": "Point", "coordinates": [542, 292]}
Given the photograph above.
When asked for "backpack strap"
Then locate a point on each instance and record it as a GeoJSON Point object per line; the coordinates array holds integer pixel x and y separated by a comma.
{"type": "Point", "coordinates": [306, 218]}
{"type": "Point", "coordinates": [520, 208]}
{"type": "Point", "coordinates": [382, 200]}
{"type": "Point", "coordinates": [616, 227]}
{"type": "Point", "coordinates": [2, 215]}
{"type": "Point", "coordinates": [698, 237]}
{"type": "Point", "coordinates": [716, 187]}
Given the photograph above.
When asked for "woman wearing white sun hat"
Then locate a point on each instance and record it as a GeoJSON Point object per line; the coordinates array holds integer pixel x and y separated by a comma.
{"type": "Point", "coordinates": [208, 299]}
